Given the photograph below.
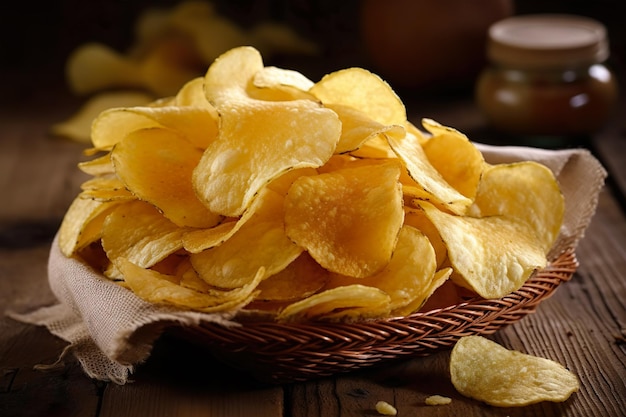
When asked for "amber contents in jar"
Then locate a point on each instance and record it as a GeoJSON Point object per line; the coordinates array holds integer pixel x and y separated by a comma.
{"type": "Point", "coordinates": [547, 76]}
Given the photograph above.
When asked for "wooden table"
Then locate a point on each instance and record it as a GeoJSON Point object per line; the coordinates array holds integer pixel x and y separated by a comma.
{"type": "Point", "coordinates": [583, 326]}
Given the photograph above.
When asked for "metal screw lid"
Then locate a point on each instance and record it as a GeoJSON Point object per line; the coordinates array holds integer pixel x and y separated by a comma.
{"type": "Point", "coordinates": [547, 41]}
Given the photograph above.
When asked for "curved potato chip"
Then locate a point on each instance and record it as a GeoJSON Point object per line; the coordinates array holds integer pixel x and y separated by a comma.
{"type": "Point", "coordinates": [140, 234]}
{"type": "Point", "coordinates": [192, 94]}
{"type": "Point", "coordinates": [341, 303]}
{"type": "Point", "coordinates": [492, 255]}
{"type": "Point", "coordinates": [418, 219]}
{"type": "Point", "coordinates": [93, 67]}
{"type": "Point", "coordinates": [196, 124]}
{"type": "Point", "coordinates": [156, 165]}
{"type": "Point", "coordinates": [484, 370]}
{"type": "Point", "coordinates": [348, 220]}
{"type": "Point", "coordinates": [456, 158]}
{"type": "Point", "coordinates": [158, 288]}
{"type": "Point", "coordinates": [420, 169]}
{"type": "Point", "coordinates": [527, 191]}
{"type": "Point", "coordinates": [277, 84]}
{"type": "Point", "coordinates": [260, 242]}
{"type": "Point", "coordinates": [98, 166]}
{"type": "Point", "coordinates": [364, 91]}
{"type": "Point", "coordinates": [196, 241]}
{"type": "Point", "coordinates": [82, 224]}
{"type": "Point", "coordinates": [357, 128]}
{"type": "Point", "coordinates": [408, 275]}
{"type": "Point", "coordinates": [301, 278]}
{"type": "Point", "coordinates": [258, 140]}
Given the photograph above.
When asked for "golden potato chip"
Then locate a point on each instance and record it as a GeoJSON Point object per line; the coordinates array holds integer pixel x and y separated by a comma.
{"type": "Point", "coordinates": [455, 157]}
{"type": "Point", "coordinates": [407, 277]}
{"type": "Point", "coordinates": [348, 220]}
{"type": "Point", "coordinates": [278, 84]}
{"type": "Point", "coordinates": [78, 126]}
{"type": "Point", "coordinates": [98, 166]}
{"type": "Point", "coordinates": [364, 91]}
{"type": "Point", "coordinates": [94, 67]}
{"type": "Point", "coordinates": [198, 125]}
{"type": "Point", "coordinates": [108, 194]}
{"type": "Point", "coordinates": [357, 128]}
{"type": "Point", "coordinates": [82, 224]}
{"type": "Point", "coordinates": [484, 370]}
{"type": "Point", "coordinates": [158, 288]}
{"type": "Point", "coordinates": [192, 94]}
{"type": "Point", "coordinates": [139, 233]}
{"type": "Point", "coordinates": [301, 278]}
{"type": "Point", "coordinates": [258, 140]}
{"type": "Point", "coordinates": [260, 242]}
{"type": "Point", "coordinates": [418, 219]}
{"type": "Point", "coordinates": [527, 191]}
{"type": "Point", "coordinates": [439, 279]}
{"type": "Point", "coordinates": [492, 255]}
{"type": "Point", "coordinates": [156, 165]}
{"type": "Point", "coordinates": [342, 303]}
{"type": "Point", "coordinates": [198, 240]}
{"type": "Point", "coordinates": [437, 190]}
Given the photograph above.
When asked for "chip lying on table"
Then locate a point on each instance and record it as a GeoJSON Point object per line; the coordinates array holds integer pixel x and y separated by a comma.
{"type": "Point", "coordinates": [257, 189]}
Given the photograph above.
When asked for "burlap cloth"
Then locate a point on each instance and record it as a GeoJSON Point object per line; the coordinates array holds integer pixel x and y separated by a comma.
{"type": "Point", "coordinates": [110, 330]}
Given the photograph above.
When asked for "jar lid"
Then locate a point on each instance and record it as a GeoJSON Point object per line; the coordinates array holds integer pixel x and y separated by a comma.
{"type": "Point", "coordinates": [547, 41]}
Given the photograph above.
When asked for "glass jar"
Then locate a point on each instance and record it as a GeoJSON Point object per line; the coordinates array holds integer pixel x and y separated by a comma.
{"type": "Point", "coordinates": [547, 76]}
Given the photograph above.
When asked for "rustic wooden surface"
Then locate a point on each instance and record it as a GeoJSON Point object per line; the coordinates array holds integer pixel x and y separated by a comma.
{"type": "Point", "coordinates": [583, 326]}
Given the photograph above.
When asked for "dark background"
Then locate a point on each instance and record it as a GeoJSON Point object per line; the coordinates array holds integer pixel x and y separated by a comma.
{"type": "Point", "coordinates": [37, 37]}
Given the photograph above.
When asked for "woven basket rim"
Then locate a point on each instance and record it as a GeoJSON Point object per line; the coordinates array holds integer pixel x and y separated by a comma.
{"type": "Point", "coordinates": [280, 352]}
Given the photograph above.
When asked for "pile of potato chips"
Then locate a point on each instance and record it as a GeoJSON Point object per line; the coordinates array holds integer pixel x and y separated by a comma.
{"type": "Point", "coordinates": [256, 188]}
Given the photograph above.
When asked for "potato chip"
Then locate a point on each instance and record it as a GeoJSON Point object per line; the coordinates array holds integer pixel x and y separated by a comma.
{"type": "Point", "coordinates": [82, 224]}
{"type": "Point", "coordinates": [418, 219]}
{"type": "Point", "coordinates": [94, 67]}
{"type": "Point", "coordinates": [348, 220]}
{"type": "Point", "coordinates": [357, 128]}
{"type": "Point", "coordinates": [156, 165]}
{"type": "Point", "coordinates": [98, 166]}
{"type": "Point", "coordinates": [278, 84]}
{"type": "Point", "coordinates": [455, 157]}
{"type": "Point", "coordinates": [198, 125]}
{"type": "Point", "coordinates": [192, 94]}
{"type": "Point", "coordinates": [527, 191]}
{"type": "Point", "coordinates": [301, 278]}
{"type": "Point", "coordinates": [407, 277]}
{"type": "Point", "coordinates": [350, 302]}
{"type": "Point", "coordinates": [198, 240]}
{"type": "Point", "coordinates": [158, 288]}
{"type": "Point", "coordinates": [438, 191]}
{"type": "Point", "coordinates": [440, 278]}
{"type": "Point", "coordinates": [484, 370]}
{"type": "Point", "coordinates": [260, 242]}
{"type": "Point", "coordinates": [78, 126]}
{"type": "Point", "coordinates": [492, 255]}
{"type": "Point", "coordinates": [139, 233]}
{"type": "Point", "coordinates": [258, 140]}
{"type": "Point", "coordinates": [364, 91]}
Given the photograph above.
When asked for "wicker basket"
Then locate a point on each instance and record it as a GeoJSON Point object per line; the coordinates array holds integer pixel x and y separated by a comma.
{"type": "Point", "coordinates": [290, 352]}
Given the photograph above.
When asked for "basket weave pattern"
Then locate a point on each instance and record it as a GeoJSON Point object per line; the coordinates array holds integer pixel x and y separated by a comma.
{"type": "Point", "coordinates": [289, 352]}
